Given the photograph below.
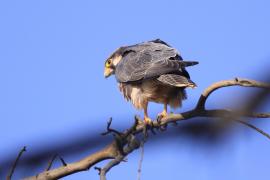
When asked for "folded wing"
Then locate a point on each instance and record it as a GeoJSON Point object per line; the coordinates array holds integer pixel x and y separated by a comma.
{"type": "Point", "coordinates": [149, 60]}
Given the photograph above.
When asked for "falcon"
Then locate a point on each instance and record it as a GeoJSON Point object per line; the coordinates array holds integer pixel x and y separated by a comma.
{"type": "Point", "coordinates": [151, 71]}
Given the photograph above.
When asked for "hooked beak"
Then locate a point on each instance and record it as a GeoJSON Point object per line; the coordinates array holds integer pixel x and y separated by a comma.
{"type": "Point", "coordinates": [108, 72]}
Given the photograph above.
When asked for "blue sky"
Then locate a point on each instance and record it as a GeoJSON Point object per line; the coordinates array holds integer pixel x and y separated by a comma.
{"type": "Point", "coordinates": [52, 84]}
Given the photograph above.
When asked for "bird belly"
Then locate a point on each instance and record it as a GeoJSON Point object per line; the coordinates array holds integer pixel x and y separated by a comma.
{"type": "Point", "coordinates": [162, 93]}
{"type": "Point", "coordinates": [152, 90]}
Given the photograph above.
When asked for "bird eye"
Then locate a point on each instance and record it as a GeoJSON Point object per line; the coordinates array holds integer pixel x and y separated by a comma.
{"type": "Point", "coordinates": [108, 63]}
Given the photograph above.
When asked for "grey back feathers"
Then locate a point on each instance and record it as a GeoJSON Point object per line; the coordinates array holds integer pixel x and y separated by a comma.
{"type": "Point", "coordinates": [150, 60]}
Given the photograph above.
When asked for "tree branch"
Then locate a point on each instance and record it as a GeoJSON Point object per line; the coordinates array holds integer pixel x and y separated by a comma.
{"type": "Point", "coordinates": [15, 163]}
{"type": "Point", "coordinates": [226, 83]}
{"type": "Point", "coordinates": [133, 144]}
{"type": "Point", "coordinates": [127, 142]}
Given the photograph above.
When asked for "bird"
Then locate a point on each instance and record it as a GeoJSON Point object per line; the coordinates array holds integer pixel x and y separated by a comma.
{"type": "Point", "coordinates": [151, 71]}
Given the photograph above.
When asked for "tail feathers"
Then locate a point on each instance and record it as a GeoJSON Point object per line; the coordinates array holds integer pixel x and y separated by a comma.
{"type": "Point", "coordinates": [188, 63]}
{"type": "Point", "coordinates": [176, 80]}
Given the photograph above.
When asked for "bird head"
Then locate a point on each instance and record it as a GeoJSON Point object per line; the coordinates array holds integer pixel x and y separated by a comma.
{"type": "Point", "coordinates": [111, 63]}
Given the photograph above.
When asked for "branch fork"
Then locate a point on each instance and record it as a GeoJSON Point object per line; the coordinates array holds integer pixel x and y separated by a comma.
{"type": "Point", "coordinates": [126, 142]}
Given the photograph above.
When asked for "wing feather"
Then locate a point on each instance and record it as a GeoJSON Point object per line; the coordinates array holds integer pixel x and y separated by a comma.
{"type": "Point", "coordinates": [148, 60]}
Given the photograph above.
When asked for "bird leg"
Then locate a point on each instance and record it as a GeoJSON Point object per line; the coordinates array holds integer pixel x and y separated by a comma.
{"type": "Point", "coordinates": [147, 120]}
{"type": "Point", "coordinates": [164, 112]}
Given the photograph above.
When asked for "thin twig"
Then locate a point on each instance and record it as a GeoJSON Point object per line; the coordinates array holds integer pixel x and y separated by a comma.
{"type": "Point", "coordinates": [254, 127]}
{"type": "Point", "coordinates": [15, 163]}
{"type": "Point", "coordinates": [125, 138]}
{"type": "Point", "coordinates": [62, 161]}
{"type": "Point", "coordinates": [51, 162]}
{"type": "Point", "coordinates": [110, 130]}
{"type": "Point", "coordinates": [140, 162]}
{"type": "Point", "coordinates": [98, 169]}
{"type": "Point", "coordinates": [111, 164]}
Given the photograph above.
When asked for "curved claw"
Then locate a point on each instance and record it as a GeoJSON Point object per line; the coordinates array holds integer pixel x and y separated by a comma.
{"type": "Point", "coordinates": [147, 120]}
{"type": "Point", "coordinates": [162, 115]}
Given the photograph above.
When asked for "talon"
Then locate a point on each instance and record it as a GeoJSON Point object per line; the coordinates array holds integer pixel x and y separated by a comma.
{"type": "Point", "coordinates": [162, 115]}
{"type": "Point", "coordinates": [147, 121]}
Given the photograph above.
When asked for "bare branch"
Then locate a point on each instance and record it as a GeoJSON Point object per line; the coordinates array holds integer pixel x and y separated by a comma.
{"type": "Point", "coordinates": [133, 144]}
{"type": "Point", "coordinates": [126, 142]}
{"type": "Point", "coordinates": [110, 130]}
{"type": "Point", "coordinates": [254, 127]}
{"type": "Point", "coordinates": [140, 161]}
{"type": "Point", "coordinates": [51, 162]}
{"type": "Point", "coordinates": [15, 163]}
{"type": "Point", "coordinates": [226, 83]}
{"type": "Point", "coordinates": [109, 152]}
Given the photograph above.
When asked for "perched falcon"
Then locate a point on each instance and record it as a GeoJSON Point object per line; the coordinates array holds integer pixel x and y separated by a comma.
{"type": "Point", "coordinates": [150, 71]}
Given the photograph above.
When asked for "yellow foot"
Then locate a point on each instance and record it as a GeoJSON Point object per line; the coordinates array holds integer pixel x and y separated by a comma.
{"type": "Point", "coordinates": [162, 115]}
{"type": "Point", "coordinates": [147, 120]}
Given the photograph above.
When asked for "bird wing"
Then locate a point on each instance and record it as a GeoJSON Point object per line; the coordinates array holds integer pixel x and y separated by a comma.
{"type": "Point", "coordinates": [176, 80]}
{"type": "Point", "coordinates": [148, 60]}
